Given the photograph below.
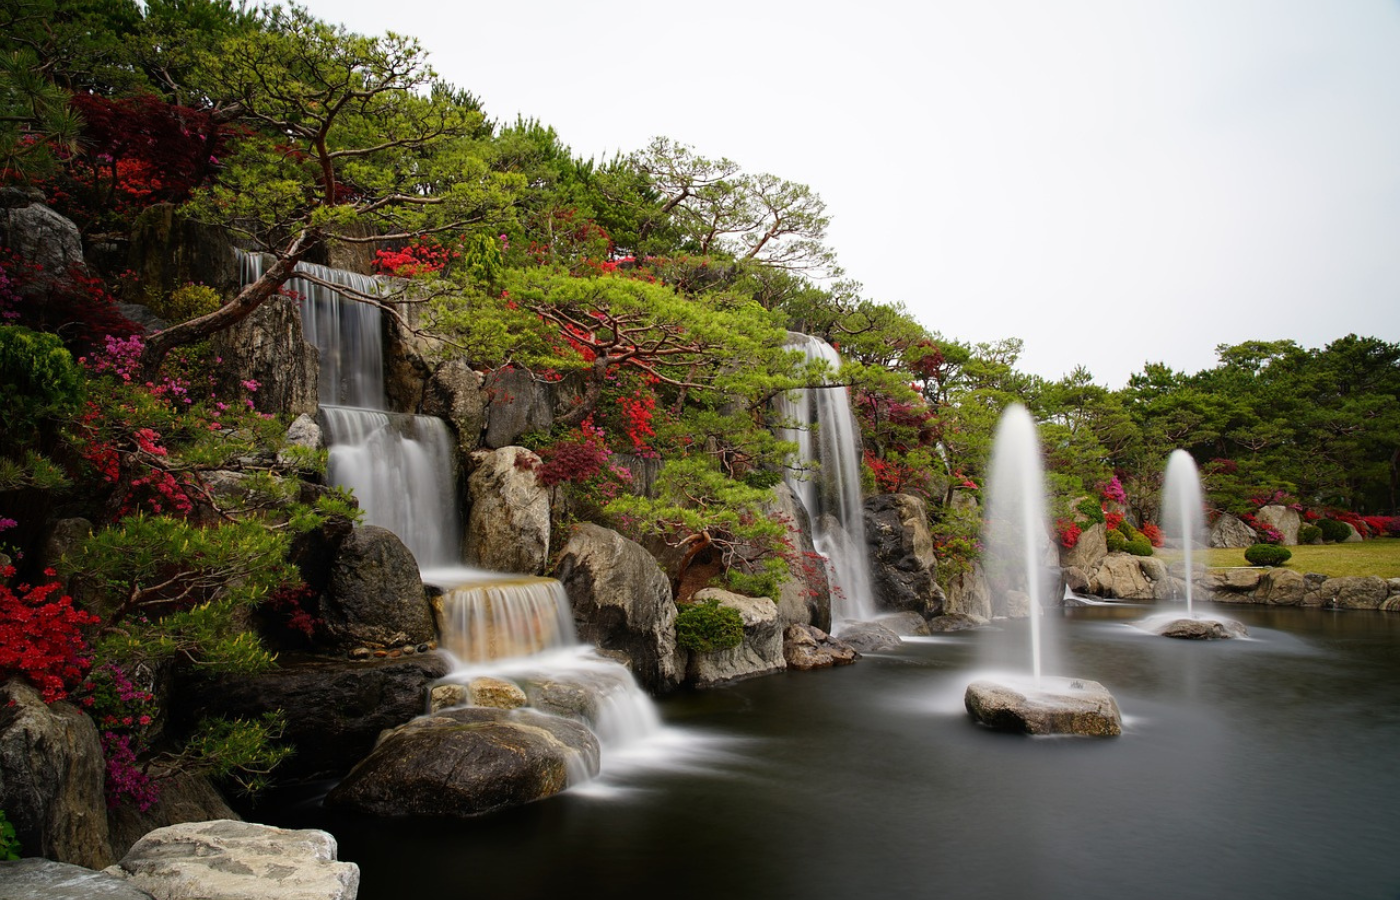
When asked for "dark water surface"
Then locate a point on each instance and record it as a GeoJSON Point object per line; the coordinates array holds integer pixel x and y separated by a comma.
{"type": "Point", "coordinates": [1258, 768]}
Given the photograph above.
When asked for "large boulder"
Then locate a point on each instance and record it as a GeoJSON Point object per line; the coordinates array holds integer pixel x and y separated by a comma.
{"type": "Point", "coordinates": [508, 527]}
{"type": "Point", "coordinates": [1054, 706]}
{"type": "Point", "coordinates": [516, 402]}
{"type": "Point", "coordinates": [760, 653]}
{"type": "Point", "coordinates": [1088, 551]}
{"type": "Point", "coordinates": [1229, 532]}
{"type": "Point", "coordinates": [1355, 592]}
{"type": "Point", "coordinates": [184, 797]}
{"type": "Point", "coordinates": [622, 603]}
{"type": "Point", "coordinates": [968, 594]}
{"type": "Point", "coordinates": [1122, 576]}
{"type": "Point", "coordinates": [1232, 581]}
{"type": "Point", "coordinates": [40, 236]}
{"type": "Point", "coordinates": [468, 761]}
{"type": "Point", "coordinates": [806, 647]}
{"type": "Point", "coordinates": [239, 861]}
{"type": "Point", "coordinates": [1283, 519]}
{"type": "Point", "coordinates": [871, 637]}
{"type": "Point", "coordinates": [35, 878]}
{"type": "Point", "coordinates": [375, 596]}
{"type": "Point", "coordinates": [1281, 587]}
{"type": "Point", "coordinates": [51, 777]}
{"type": "Point", "coordinates": [903, 565]}
{"type": "Point", "coordinates": [334, 709]}
{"type": "Point", "coordinates": [454, 393]}
{"type": "Point", "coordinates": [804, 597]}
{"type": "Point", "coordinates": [1198, 629]}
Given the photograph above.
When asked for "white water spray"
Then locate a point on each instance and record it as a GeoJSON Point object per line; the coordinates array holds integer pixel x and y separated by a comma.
{"type": "Point", "coordinates": [1183, 514]}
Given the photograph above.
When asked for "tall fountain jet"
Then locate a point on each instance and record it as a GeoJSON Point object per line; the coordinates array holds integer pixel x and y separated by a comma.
{"type": "Point", "coordinates": [824, 429]}
{"type": "Point", "coordinates": [1015, 532]}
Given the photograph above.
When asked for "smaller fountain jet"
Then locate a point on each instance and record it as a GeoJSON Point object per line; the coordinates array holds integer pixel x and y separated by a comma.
{"type": "Point", "coordinates": [1014, 530]}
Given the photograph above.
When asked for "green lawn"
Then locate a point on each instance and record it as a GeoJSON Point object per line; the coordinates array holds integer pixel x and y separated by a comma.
{"type": "Point", "coordinates": [1379, 556]}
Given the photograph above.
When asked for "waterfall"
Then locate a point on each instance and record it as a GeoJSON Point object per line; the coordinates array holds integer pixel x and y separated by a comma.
{"type": "Point", "coordinates": [824, 429]}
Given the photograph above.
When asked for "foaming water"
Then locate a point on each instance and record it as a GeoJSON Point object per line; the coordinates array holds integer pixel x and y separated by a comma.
{"type": "Point", "coordinates": [1183, 516]}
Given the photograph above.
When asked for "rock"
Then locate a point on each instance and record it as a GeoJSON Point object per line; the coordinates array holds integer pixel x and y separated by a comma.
{"type": "Point", "coordinates": [183, 798]}
{"type": "Point", "coordinates": [1076, 579]}
{"type": "Point", "coordinates": [1230, 532]}
{"type": "Point", "coordinates": [1200, 629]}
{"type": "Point", "coordinates": [903, 566]}
{"type": "Point", "coordinates": [1283, 519]}
{"type": "Point", "coordinates": [622, 602]}
{"type": "Point", "coordinates": [454, 393]}
{"type": "Point", "coordinates": [584, 694]}
{"type": "Point", "coordinates": [515, 403]}
{"type": "Point", "coordinates": [1237, 580]}
{"type": "Point", "coordinates": [51, 777]}
{"type": "Point", "coordinates": [1353, 536]}
{"type": "Point", "coordinates": [35, 878]}
{"type": "Point", "coordinates": [142, 317]}
{"type": "Point", "coordinates": [64, 536]}
{"type": "Point", "coordinates": [41, 236]}
{"type": "Point", "coordinates": [969, 594]}
{"type": "Point", "coordinates": [444, 696]}
{"type": "Point", "coordinates": [806, 647]}
{"type": "Point", "coordinates": [1121, 576]}
{"type": "Point", "coordinates": [804, 597]}
{"type": "Point", "coordinates": [268, 347]}
{"type": "Point", "coordinates": [1088, 552]}
{"type": "Point", "coordinates": [335, 708]}
{"type": "Point", "coordinates": [870, 637]}
{"type": "Point", "coordinates": [1355, 592]}
{"type": "Point", "coordinates": [955, 622]}
{"type": "Point", "coordinates": [495, 693]}
{"type": "Point", "coordinates": [375, 595]}
{"type": "Point", "coordinates": [1056, 706]}
{"type": "Point", "coordinates": [1281, 587]}
{"type": "Point", "coordinates": [1392, 600]}
{"type": "Point", "coordinates": [905, 624]}
{"type": "Point", "coordinates": [239, 861]}
{"type": "Point", "coordinates": [760, 653]}
{"type": "Point", "coordinates": [508, 528]}
{"type": "Point", "coordinates": [468, 761]}
{"type": "Point", "coordinates": [303, 433]}
{"type": "Point", "coordinates": [1015, 604]}
{"type": "Point", "coordinates": [168, 251]}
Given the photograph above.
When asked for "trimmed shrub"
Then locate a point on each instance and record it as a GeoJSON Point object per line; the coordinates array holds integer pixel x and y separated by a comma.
{"type": "Point", "coordinates": [706, 626]}
{"type": "Point", "coordinates": [1116, 540]}
{"type": "Point", "coordinates": [1267, 555]}
{"type": "Point", "coordinates": [1308, 534]}
{"type": "Point", "coordinates": [1090, 509]}
{"type": "Point", "coordinates": [1333, 531]}
{"type": "Point", "coordinates": [1139, 546]}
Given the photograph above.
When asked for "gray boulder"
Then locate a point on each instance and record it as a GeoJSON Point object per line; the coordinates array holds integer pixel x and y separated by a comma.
{"type": "Point", "coordinates": [1232, 533]}
{"type": "Point", "coordinates": [1200, 629]}
{"type": "Point", "coordinates": [51, 777]}
{"type": "Point", "coordinates": [1088, 552]}
{"type": "Point", "coordinates": [269, 347]}
{"type": "Point", "coordinates": [955, 622]}
{"type": "Point", "coordinates": [375, 596]}
{"type": "Point", "coordinates": [467, 761]}
{"type": "Point", "coordinates": [184, 797]}
{"type": "Point", "coordinates": [1122, 576]}
{"type": "Point", "coordinates": [804, 597]}
{"type": "Point", "coordinates": [1283, 519]}
{"type": "Point", "coordinates": [35, 878]}
{"type": "Point", "coordinates": [41, 236]}
{"type": "Point", "coordinates": [903, 564]}
{"type": "Point", "coordinates": [622, 602]}
{"type": "Point", "coordinates": [870, 637]}
{"type": "Point", "coordinates": [806, 647]}
{"type": "Point", "coordinates": [760, 653]}
{"type": "Point", "coordinates": [1057, 706]}
{"type": "Point", "coordinates": [906, 624]}
{"type": "Point", "coordinates": [1355, 592]}
{"type": "Point", "coordinates": [1281, 587]}
{"type": "Point", "coordinates": [454, 393]}
{"type": "Point", "coordinates": [515, 403]}
{"type": "Point", "coordinates": [968, 594]}
{"type": "Point", "coordinates": [1238, 580]}
{"type": "Point", "coordinates": [508, 528]}
{"type": "Point", "coordinates": [238, 861]}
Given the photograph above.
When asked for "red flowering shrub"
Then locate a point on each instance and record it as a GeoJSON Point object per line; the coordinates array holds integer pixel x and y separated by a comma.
{"type": "Point", "coordinates": [418, 258]}
{"type": "Point", "coordinates": [1152, 533]}
{"type": "Point", "coordinates": [41, 638]}
{"type": "Point", "coordinates": [1112, 520]}
{"type": "Point", "coordinates": [1068, 531]}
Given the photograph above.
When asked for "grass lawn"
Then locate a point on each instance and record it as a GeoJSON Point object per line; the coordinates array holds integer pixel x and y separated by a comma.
{"type": "Point", "coordinates": [1378, 556]}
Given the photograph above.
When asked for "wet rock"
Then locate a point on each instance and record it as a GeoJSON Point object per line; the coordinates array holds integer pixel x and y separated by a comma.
{"type": "Point", "coordinates": [969, 594]}
{"type": "Point", "coordinates": [269, 347]}
{"type": "Point", "coordinates": [466, 762]}
{"type": "Point", "coordinates": [495, 693]}
{"type": "Point", "coordinates": [508, 528]}
{"type": "Point", "coordinates": [804, 597]}
{"type": "Point", "coordinates": [806, 647]}
{"type": "Point", "coordinates": [239, 861]}
{"type": "Point", "coordinates": [905, 624]}
{"type": "Point", "coordinates": [445, 696]}
{"type": "Point", "coordinates": [955, 622]}
{"type": "Point", "coordinates": [51, 777]}
{"type": "Point", "coordinates": [903, 566]}
{"type": "Point", "coordinates": [760, 653]}
{"type": "Point", "coordinates": [1055, 706]}
{"type": "Point", "coordinates": [35, 878]}
{"type": "Point", "coordinates": [1200, 629]}
{"type": "Point", "coordinates": [622, 603]}
{"type": "Point", "coordinates": [454, 392]}
{"type": "Point", "coordinates": [1355, 592]}
{"type": "Point", "coordinates": [870, 637]}
{"type": "Point", "coordinates": [1230, 532]}
{"type": "Point", "coordinates": [375, 596]}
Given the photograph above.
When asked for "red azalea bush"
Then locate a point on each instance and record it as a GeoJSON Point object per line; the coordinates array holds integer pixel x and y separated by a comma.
{"type": "Point", "coordinates": [41, 638]}
{"type": "Point", "coordinates": [1068, 531]}
{"type": "Point", "coordinates": [1152, 533]}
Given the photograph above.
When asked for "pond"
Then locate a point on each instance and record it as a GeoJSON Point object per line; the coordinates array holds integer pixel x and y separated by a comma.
{"type": "Point", "coordinates": [1250, 768]}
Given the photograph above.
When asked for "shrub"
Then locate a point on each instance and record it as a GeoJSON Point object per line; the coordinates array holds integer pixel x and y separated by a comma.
{"type": "Point", "coordinates": [1090, 509]}
{"type": "Point", "coordinates": [1069, 533]}
{"type": "Point", "coordinates": [1139, 546]}
{"type": "Point", "coordinates": [185, 303]}
{"type": "Point", "coordinates": [1116, 540]}
{"type": "Point", "coordinates": [1333, 531]}
{"type": "Point", "coordinates": [1267, 555]}
{"type": "Point", "coordinates": [9, 842]}
{"type": "Point", "coordinates": [41, 639]}
{"type": "Point", "coordinates": [1308, 534]}
{"type": "Point", "coordinates": [706, 626]}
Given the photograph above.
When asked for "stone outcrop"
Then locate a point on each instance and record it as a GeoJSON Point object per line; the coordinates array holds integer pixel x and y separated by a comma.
{"type": "Point", "coordinates": [1055, 706]}
{"type": "Point", "coordinates": [870, 637]}
{"type": "Point", "coordinates": [40, 236]}
{"type": "Point", "coordinates": [622, 603]}
{"type": "Point", "coordinates": [35, 878]}
{"type": "Point", "coordinates": [515, 403]}
{"type": "Point", "coordinates": [1125, 577]}
{"type": "Point", "coordinates": [1232, 533]}
{"type": "Point", "coordinates": [169, 251]}
{"type": "Point", "coordinates": [968, 594]}
{"type": "Point", "coordinates": [508, 527]}
{"type": "Point", "coordinates": [51, 777]}
{"type": "Point", "coordinates": [806, 647]}
{"type": "Point", "coordinates": [375, 596]}
{"type": "Point", "coordinates": [239, 861]}
{"type": "Point", "coordinates": [268, 347]}
{"type": "Point", "coordinates": [1088, 552]}
{"type": "Point", "coordinates": [1283, 519]}
{"type": "Point", "coordinates": [903, 566]}
{"type": "Point", "coordinates": [468, 761]}
{"type": "Point", "coordinates": [336, 709]}
{"type": "Point", "coordinates": [804, 597]}
{"type": "Point", "coordinates": [760, 653]}
{"type": "Point", "coordinates": [454, 393]}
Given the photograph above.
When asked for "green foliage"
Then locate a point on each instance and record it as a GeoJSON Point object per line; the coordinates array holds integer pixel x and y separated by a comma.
{"type": "Point", "coordinates": [1116, 540]}
{"type": "Point", "coordinates": [238, 751]}
{"type": "Point", "coordinates": [1308, 534]}
{"type": "Point", "coordinates": [1138, 546]}
{"type": "Point", "coordinates": [1091, 510]}
{"type": "Point", "coordinates": [1267, 555]}
{"type": "Point", "coordinates": [1333, 531]}
{"type": "Point", "coordinates": [706, 626]}
{"type": "Point", "coordinates": [186, 302]}
{"type": "Point", "coordinates": [39, 379]}
{"type": "Point", "coordinates": [9, 841]}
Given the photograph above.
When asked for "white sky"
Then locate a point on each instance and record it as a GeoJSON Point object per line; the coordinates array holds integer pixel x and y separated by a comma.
{"type": "Point", "coordinates": [1112, 181]}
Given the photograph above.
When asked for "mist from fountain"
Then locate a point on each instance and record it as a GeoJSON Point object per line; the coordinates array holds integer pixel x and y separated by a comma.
{"type": "Point", "coordinates": [1183, 515]}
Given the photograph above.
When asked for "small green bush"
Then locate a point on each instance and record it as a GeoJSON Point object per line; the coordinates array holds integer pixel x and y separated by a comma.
{"type": "Point", "coordinates": [1116, 540]}
{"type": "Point", "coordinates": [1139, 546]}
{"type": "Point", "coordinates": [185, 303]}
{"type": "Point", "coordinates": [1267, 555]}
{"type": "Point", "coordinates": [9, 842]}
{"type": "Point", "coordinates": [1090, 509]}
{"type": "Point", "coordinates": [706, 626]}
{"type": "Point", "coordinates": [1307, 534]}
{"type": "Point", "coordinates": [1334, 531]}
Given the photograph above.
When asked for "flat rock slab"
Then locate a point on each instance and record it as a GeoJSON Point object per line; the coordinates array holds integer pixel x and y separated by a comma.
{"type": "Point", "coordinates": [1198, 629]}
{"type": "Point", "coordinates": [1070, 706]}
{"type": "Point", "coordinates": [35, 878]}
{"type": "Point", "coordinates": [238, 861]}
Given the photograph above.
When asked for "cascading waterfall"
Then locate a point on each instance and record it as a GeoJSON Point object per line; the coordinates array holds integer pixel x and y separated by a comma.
{"type": "Point", "coordinates": [826, 435]}
{"type": "Point", "coordinates": [401, 469]}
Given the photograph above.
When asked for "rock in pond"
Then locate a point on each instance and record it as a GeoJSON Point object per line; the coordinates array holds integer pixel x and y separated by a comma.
{"type": "Point", "coordinates": [1070, 706]}
{"type": "Point", "coordinates": [36, 878]}
{"type": "Point", "coordinates": [468, 761]}
{"type": "Point", "coordinates": [870, 637]}
{"type": "Point", "coordinates": [806, 647]}
{"type": "Point", "coordinates": [1195, 629]}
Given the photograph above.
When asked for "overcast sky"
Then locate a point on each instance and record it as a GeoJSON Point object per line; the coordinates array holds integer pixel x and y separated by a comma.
{"type": "Point", "coordinates": [1112, 181]}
